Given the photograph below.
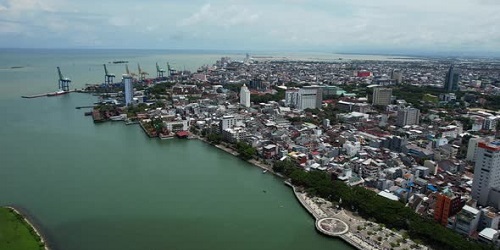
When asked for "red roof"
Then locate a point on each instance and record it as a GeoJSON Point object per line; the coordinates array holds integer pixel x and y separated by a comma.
{"type": "Point", "coordinates": [182, 133]}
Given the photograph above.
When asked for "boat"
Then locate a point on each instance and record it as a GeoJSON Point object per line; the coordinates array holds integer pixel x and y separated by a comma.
{"type": "Point", "coordinates": [264, 171]}
{"type": "Point", "coordinates": [117, 62]}
{"type": "Point", "coordinates": [60, 92]}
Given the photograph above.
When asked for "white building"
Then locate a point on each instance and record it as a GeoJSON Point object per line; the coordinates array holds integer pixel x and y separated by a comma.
{"type": "Point", "coordinates": [486, 183]}
{"type": "Point", "coordinates": [408, 116]}
{"type": "Point", "coordinates": [227, 121]}
{"type": "Point", "coordinates": [129, 90]}
{"type": "Point", "coordinates": [466, 221]}
{"type": "Point", "coordinates": [234, 135]}
{"type": "Point", "coordinates": [310, 97]}
{"type": "Point", "coordinates": [382, 96]}
{"type": "Point", "coordinates": [245, 96]}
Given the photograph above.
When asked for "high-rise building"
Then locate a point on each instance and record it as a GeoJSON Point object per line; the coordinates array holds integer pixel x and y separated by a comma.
{"type": "Point", "coordinates": [129, 90]}
{"type": "Point", "coordinates": [292, 97]}
{"type": "Point", "coordinates": [397, 76]}
{"type": "Point", "coordinates": [245, 96]}
{"type": "Point", "coordinates": [408, 116]}
{"type": "Point", "coordinates": [486, 183]}
{"type": "Point", "coordinates": [451, 80]}
{"type": "Point", "coordinates": [310, 97]}
{"type": "Point", "coordinates": [227, 121]}
{"type": "Point", "coordinates": [382, 96]}
{"type": "Point", "coordinates": [447, 205]}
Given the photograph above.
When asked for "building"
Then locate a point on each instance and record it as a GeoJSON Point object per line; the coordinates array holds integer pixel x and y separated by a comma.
{"type": "Point", "coordinates": [486, 183]}
{"type": "Point", "coordinates": [310, 97]}
{"type": "Point", "coordinates": [129, 90]}
{"type": "Point", "coordinates": [382, 96]}
{"type": "Point", "coordinates": [490, 218]}
{"type": "Point", "coordinates": [447, 205]}
{"type": "Point", "coordinates": [466, 221]}
{"type": "Point", "coordinates": [245, 96]}
{"type": "Point", "coordinates": [397, 76]}
{"type": "Point", "coordinates": [227, 121]}
{"type": "Point", "coordinates": [408, 116]}
{"type": "Point", "coordinates": [292, 97]}
{"type": "Point", "coordinates": [451, 80]}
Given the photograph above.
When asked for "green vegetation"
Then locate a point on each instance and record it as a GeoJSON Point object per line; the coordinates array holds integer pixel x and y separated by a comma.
{"type": "Point", "coordinates": [246, 151]}
{"type": "Point", "coordinates": [214, 138]}
{"type": "Point", "coordinates": [280, 95]}
{"type": "Point", "coordinates": [370, 205]}
{"type": "Point", "coordinates": [15, 233]}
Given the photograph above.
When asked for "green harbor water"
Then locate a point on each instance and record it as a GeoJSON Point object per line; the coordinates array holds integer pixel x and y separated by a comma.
{"type": "Point", "coordinates": [108, 186]}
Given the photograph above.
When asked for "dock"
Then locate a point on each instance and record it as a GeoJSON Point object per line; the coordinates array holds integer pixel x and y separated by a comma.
{"type": "Point", "coordinates": [34, 96]}
{"type": "Point", "coordinates": [55, 93]}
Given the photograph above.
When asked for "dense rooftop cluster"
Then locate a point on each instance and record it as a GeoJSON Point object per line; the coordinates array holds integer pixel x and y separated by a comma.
{"type": "Point", "coordinates": [387, 126]}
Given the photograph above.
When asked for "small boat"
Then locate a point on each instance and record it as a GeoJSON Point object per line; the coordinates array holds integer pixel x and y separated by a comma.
{"type": "Point", "coordinates": [264, 171]}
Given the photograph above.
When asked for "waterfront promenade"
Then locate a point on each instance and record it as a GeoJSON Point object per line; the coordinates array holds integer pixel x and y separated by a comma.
{"type": "Point", "coordinates": [352, 229]}
{"type": "Point", "coordinates": [356, 231]}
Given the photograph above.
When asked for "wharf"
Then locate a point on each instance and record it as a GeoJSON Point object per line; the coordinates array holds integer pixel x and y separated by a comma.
{"type": "Point", "coordinates": [46, 94]}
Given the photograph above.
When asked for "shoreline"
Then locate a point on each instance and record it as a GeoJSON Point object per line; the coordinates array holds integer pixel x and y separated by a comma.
{"type": "Point", "coordinates": [344, 237]}
{"type": "Point", "coordinates": [348, 235]}
{"type": "Point", "coordinates": [41, 239]}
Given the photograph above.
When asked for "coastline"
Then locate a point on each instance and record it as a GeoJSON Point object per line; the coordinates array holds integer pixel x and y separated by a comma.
{"type": "Point", "coordinates": [33, 228]}
{"type": "Point", "coordinates": [324, 220]}
{"type": "Point", "coordinates": [345, 236]}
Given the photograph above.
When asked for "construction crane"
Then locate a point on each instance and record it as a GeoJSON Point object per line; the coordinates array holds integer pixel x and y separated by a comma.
{"type": "Point", "coordinates": [108, 78]}
{"type": "Point", "coordinates": [142, 74]}
{"type": "Point", "coordinates": [159, 71]}
{"type": "Point", "coordinates": [63, 81]}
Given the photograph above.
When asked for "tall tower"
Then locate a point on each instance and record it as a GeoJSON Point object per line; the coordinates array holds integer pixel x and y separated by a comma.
{"type": "Point", "coordinates": [245, 96]}
{"type": "Point", "coordinates": [129, 91]}
{"type": "Point", "coordinates": [382, 96]}
{"type": "Point", "coordinates": [451, 80]}
{"type": "Point", "coordinates": [486, 183]}
{"type": "Point", "coordinates": [408, 116]}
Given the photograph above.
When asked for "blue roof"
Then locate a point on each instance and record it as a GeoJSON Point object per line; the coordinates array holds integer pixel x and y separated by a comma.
{"type": "Point", "coordinates": [431, 187]}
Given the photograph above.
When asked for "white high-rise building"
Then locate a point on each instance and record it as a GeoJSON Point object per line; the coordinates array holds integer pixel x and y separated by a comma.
{"type": "Point", "coordinates": [129, 90]}
{"type": "Point", "coordinates": [486, 183]}
{"type": "Point", "coordinates": [382, 96]}
{"type": "Point", "coordinates": [245, 96]}
{"type": "Point", "coordinates": [310, 97]}
{"type": "Point", "coordinates": [408, 116]}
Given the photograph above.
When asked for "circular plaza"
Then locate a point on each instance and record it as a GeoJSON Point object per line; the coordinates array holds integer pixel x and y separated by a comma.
{"type": "Point", "coordinates": [332, 226]}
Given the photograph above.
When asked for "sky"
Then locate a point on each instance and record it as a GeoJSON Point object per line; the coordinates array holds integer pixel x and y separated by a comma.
{"type": "Point", "coordinates": [364, 26]}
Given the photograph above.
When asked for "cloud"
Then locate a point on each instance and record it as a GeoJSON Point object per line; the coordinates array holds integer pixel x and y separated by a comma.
{"type": "Point", "coordinates": [220, 16]}
{"type": "Point", "coordinates": [336, 25]}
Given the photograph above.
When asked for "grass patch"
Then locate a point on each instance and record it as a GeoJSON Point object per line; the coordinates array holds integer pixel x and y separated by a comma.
{"type": "Point", "coordinates": [15, 234]}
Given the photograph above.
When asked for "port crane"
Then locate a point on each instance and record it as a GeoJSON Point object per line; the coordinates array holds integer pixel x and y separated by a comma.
{"type": "Point", "coordinates": [63, 81]}
{"type": "Point", "coordinates": [159, 71]}
{"type": "Point", "coordinates": [171, 71]}
{"type": "Point", "coordinates": [108, 77]}
{"type": "Point", "coordinates": [142, 74]}
{"type": "Point", "coordinates": [128, 71]}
